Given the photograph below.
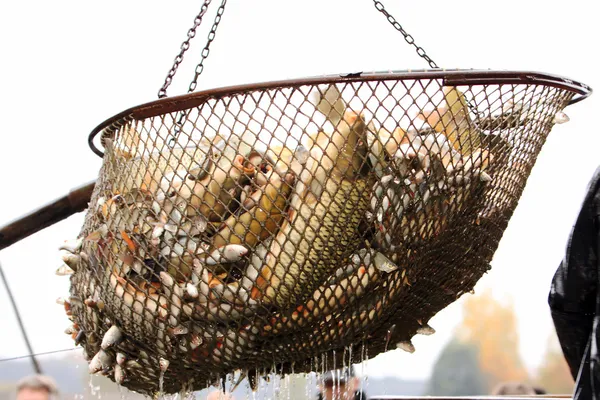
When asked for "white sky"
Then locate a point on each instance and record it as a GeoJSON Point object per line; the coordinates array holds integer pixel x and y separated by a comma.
{"type": "Point", "coordinates": [67, 65]}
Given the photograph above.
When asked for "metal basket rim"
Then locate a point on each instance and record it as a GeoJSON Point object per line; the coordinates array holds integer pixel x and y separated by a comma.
{"type": "Point", "coordinates": [450, 77]}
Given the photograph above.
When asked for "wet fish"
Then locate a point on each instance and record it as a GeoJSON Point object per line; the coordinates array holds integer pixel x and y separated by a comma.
{"type": "Point", "coordinates": [560, 118]}
{"type": "Point", "coordinates": [261, 221]}
{"type": "Point", "coordinates": [121, 359]}
{"type": "Point", "coordinates": [119, 374]}
{"type": "Point", "coordinates": [228, 253]}
{"type": "Point", "coordinates": [330, 103]}
{"type": "Point", "coordinates": [454, 121]}
{"type": "Point", "coordinates": [295, 260]}
{"type": "Point", "coordinates": [72, 246]}
{"type": "Point", "coordinates": [210, 196]}
{"type": "Point", "coordinates": [163, 364]}
{"type": "Point", "coordinates": [72, 260]}
{"type": "Point", "coordinates": [406, 345]}
{"type": "Point", "coordinates": [102, 360]}
{"type": "Point", "coordinates": [64, 270]}
{"type": "Point", "coordinates": [112, 337]}
{"type": "Point", "coordinates": [425, 330]}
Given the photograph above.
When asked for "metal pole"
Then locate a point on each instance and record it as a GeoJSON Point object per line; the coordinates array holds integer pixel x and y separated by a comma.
{"type": "Point", "coordinates": [36, 365]}
{"type": "Point", "coordinates": [75, 201]}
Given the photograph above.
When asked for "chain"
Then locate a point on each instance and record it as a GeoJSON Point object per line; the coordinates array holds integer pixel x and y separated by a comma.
{"type": "Point", "coordinates": [409, 39]}
{"type": "Point", "coordinates": [206, 50]}
{"type": "Point", "coordinates": [184, 47]}
{"type": "Point", "coordinates": [199, 68]}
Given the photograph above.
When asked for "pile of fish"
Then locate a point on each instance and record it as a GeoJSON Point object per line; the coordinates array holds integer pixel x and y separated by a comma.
{"type": "Point", "coordinates": [194, 266]}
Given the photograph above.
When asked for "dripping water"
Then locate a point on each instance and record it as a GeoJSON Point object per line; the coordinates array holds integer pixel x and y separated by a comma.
{"type": "Point", "coordinates": [161, 381]}
{"type": "Point", "coordinates": [388, 336]}
{"type": "Point", "coordinates": [94, 390]}
{"type": "Point", "coordinates": [366, 360]}
{"type": "Point", "coordinates": [121, 392]}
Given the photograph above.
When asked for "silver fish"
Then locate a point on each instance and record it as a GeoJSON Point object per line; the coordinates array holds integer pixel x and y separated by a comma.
{"type": "Point", "coordinates": [334, 205]}
{"type": "Point", "coordinates": [102, 360]}
{"type": "Point", "coordinates": [72, 260]}
{"type": "Point", "coordinates": [383, 264]}
{"type": "Point", "coordinates": [191, 290]}
{"type": "Point", "coordinates": [560, 118]}
{"type": "Point", "coordinates": [72, 246]}
{"type": "Point", "coordinates": [226, 254]}
{"type": "Point", "coordinates": [112, 337]}
{"type": "Point", "coordinates": [163, 364]}
{"type": "Point", "coordinates": [406, 345]}
{"type": "Point", "coordinates": [425, 330]}
{"type": "Point", "coordinates": [121, 359]}
{"type": "Point", "coordinates": [119, 374]}
{"type": "Point", "coordinates": [195, 341]}
{"type": "Point", "coordinates": [64, 270]}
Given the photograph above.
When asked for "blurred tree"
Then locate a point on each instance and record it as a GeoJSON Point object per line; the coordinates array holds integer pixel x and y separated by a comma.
{"type": "Point", "coordinates": [492, 328]}
{"type": "Point", "coordinates": [457, 372]}
{"type": "Point", "coordinates": [553, 374]}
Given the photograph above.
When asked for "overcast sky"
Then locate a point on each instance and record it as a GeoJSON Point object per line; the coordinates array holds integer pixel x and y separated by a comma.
{"type": "Point", "coordinates": [68, 65]}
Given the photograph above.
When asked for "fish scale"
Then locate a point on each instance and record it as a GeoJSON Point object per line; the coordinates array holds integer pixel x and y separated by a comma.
{"type": "Point", "coordinates": [337, 217]}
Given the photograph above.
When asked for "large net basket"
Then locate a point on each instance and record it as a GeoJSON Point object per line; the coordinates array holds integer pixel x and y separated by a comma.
{"type": "Point", "coordinates": [239, 228]}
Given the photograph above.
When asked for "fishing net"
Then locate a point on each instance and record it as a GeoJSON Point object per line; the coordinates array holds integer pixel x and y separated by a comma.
{"type": "Point", "coordinates": [269, 224]}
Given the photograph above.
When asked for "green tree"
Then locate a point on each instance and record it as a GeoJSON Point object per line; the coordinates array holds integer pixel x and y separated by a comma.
{"type": "Point", "coordinates": [457, 372]}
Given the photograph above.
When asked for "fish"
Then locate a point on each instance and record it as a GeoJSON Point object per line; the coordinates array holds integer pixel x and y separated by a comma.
{"type": "Point", "coordinates": [112, 337]}
{"type": "Point", "coordinates": [330, 103]}
{"type": "Point", "coordinates": [295, 261]}
{"type": "Point", "coordinates": [64, 270]}
{"type": "Point", "coordinates": [454, 121]}
{"type": "Point", "coordinates": [102, 360]}
{"type": "Point", "coordinates": [163, 364]}
{"type": "Point", "coordinates": [119, 374]}
{"type": "Point", "coordinates": [191, 291]}
{"type": "Point", "coordinates": [406, 345]}
{"type": "Point", "coordinates": [128, 144]}
{"type": "Point", "coordinates": [560, 118]}
{"type": "Point", "coordinates": [121, 359]}
{"type": "Point", "coordinates": [72, 246]}
{"type": "Point", "coordinates": [228, 253]}
{"type": "Point", "coordinates": [210, 196]}
{"type": "Point", "coordinates": [262, 220]}
{"type": "Point", "coordinates": [425, 330]}
{"type": "Point", "coordinates": [72, 260]}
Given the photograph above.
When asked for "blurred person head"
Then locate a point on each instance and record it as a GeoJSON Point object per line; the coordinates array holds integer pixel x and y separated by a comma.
{"type": "Point", "coordinates": [513, 388]}
{"type": "Point", "coordinates": [37, 387]}
{"type": "Point", "coordinates": [539, 390]}
{"type": "Point", "coordinates": [341, 385]}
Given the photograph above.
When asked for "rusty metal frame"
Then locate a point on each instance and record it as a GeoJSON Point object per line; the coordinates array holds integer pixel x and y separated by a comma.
{"type": "Point", "coordinates": [457, 77]}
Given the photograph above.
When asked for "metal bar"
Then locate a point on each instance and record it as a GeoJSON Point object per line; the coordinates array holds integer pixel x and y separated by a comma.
{"type": "Point", "coordinates": [449, 78]}
{"type": "Point", "coordinates": [36, 365]}
{"type": "Point", "coordinates": [74, 202]}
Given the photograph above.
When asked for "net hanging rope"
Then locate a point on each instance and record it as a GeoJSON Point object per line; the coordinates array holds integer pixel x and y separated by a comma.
{"type": "Point", "coordinates": [277, 222]}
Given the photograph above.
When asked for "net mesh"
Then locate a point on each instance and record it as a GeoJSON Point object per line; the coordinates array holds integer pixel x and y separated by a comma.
{"type": "Point", "coordinates": [273, 225]}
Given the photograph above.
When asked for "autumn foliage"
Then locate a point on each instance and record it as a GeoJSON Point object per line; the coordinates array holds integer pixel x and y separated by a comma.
{"type": "Point", "coordinates": [486, 350]}
{"type": "Point", "coordinates": [492, 328]}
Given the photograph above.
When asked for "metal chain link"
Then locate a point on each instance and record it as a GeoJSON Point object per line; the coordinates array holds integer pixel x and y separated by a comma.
{"type": "Point", "coordinates": [206, 51]}
{"type": "Point", "coordinates": [199, 68]}
{"type": "Point", "coordinates": [184, 47]}
{"type": "Point", "coordinates": [409, 39]}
